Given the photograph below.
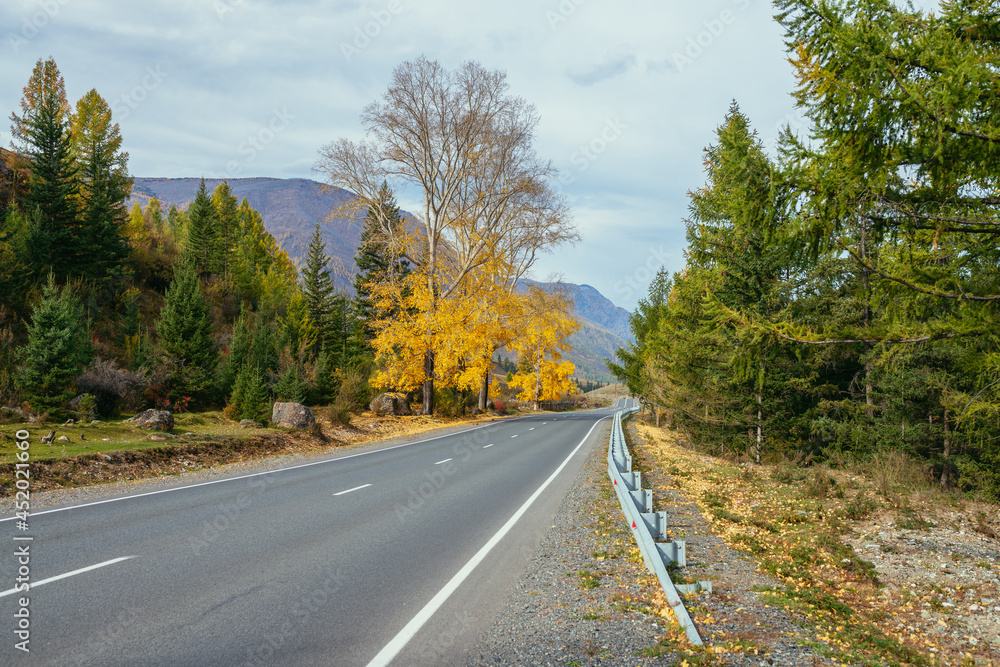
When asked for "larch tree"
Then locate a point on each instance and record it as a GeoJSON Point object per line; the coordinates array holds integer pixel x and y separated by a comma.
{"type": "Point", "coordinates": [466, 144]}
{"type": "Point", "coordinates": [105, 185]}
{"type": "Point", "coordinates": [227, 223]}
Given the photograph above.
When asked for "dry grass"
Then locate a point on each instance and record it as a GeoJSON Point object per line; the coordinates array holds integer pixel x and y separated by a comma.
{"type": "Point", "coordinates": [791, 521]}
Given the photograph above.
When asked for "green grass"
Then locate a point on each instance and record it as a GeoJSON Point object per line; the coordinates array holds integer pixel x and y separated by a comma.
{"type": "Point", "coordinates": [589, 580]}
{"type": "Point", "coordinates": [114, 436]}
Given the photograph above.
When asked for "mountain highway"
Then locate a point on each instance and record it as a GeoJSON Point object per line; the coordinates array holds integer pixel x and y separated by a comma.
{"type": "Point", "coordinates": [396, 555]}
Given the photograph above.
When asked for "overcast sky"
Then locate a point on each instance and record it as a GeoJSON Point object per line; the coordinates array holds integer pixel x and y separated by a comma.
{"type": "Point", "coordinates": [629, 92]}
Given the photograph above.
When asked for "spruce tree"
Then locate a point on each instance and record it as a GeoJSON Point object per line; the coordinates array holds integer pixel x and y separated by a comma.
{"type": "Point", "coordinates": [42, 132]}
{"type": "Point", "coordinates": [58, 348]}
{"type": "Point", "coordinates": [250, 398]}
{"type": "Point", "coordinates": [185, 330]}
{"type": "Point", "coordinates": [318, 288]}
{"type": "Point", "coordinates": [373, 259]}
{"type": "Point", "coordinates": [325, 388]}
{"type": "Point", "coordinates": [202, 235]}
{"type": "Point", "coordinates": [291, 386]}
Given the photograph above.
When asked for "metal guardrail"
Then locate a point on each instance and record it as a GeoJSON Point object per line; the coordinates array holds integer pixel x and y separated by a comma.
{"type": "Point", "coordinates": [648, 527]}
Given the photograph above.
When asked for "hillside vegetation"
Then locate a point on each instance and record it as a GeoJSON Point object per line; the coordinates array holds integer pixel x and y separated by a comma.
{"type": "Point", "coordinates": [842, 298]}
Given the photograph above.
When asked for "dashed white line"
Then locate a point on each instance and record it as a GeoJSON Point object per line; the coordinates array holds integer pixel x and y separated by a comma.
{"type": "Point", "coordinates": [514, 436]}
{"type": "Point", "coordinates": [440, 462]}
{"type": "Point", "coordinates": [487, 446]}
{"type": "Point", "coordinates": [396, 644]}
{"type": "Point", "coordinates": [357, 488]}
{"type": "Point", "coordinates": [35, 584]}
{"type": "Point", "coordinates": [532, 428]}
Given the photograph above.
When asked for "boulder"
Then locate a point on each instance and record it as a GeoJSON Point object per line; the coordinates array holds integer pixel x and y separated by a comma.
{"type": "Point", "coordinates": [153, 420]}
{"type": "Point", "coordinates": [390, 403]}
{"type": "Point", "coordinates": [292, 415]}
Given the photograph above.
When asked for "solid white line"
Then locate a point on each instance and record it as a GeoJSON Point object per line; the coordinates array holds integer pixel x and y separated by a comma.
{"type": "Point", "coordinates": [36, 584]}
{"type": "Point", "coordinates": [396, 644]}
{"type": "Point", "coordinates": [257, 474]}
{"type": "Point", "coordinates": [357, 488]}
{"type": "Point", "coordinates": [440, 462]}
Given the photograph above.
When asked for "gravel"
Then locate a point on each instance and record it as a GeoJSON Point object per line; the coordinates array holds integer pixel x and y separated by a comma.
{"type": "Point", "coordinates": [555, 617]}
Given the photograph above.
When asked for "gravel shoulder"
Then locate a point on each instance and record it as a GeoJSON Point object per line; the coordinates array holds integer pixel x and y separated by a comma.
{"type": "Point", "coordinates": [587, 598]}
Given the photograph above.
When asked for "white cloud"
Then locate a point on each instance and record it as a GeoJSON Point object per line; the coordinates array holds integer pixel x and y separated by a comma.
{"type": "Point", "coordinates": [624, 124]}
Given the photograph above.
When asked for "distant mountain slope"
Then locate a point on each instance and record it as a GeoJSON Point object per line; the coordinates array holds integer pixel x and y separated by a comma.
{"type": "Point", "coordinates": [603, 329]}
{"type": "Point", "coordinates": [291, 207]}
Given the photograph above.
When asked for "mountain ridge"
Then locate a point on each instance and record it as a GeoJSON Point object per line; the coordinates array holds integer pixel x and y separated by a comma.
{"type": "Point", "coordinates": [290, 208]}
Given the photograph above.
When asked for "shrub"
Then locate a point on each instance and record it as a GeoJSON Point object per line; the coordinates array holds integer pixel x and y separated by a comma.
{"type": "Point", "coordinates": [892, 469]}
{"type": "Point", "coordinates": [113, 388]}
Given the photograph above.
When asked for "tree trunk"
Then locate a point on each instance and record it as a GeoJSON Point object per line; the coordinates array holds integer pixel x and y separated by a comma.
{"type": "Point", "coordinates": [869, 401]}
{"type": "Point", "coordinates": [760, 427]}
{"type": "Point", "coordinates": [538, 381]}
{"type": "Point", "coordinates": [947, 453]}
{"type": "Point", "coordinates": [484, 390]}
{"type": "Point", "coordinates": [429, 382]}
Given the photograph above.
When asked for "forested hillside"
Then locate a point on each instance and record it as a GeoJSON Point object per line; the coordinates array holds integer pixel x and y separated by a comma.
{"type": "Point", "coordinates": [172, 293]}
{"type": "Point", "coordinates": [840, 299]}
{"type": "Point", "coordinates": [290, 208]}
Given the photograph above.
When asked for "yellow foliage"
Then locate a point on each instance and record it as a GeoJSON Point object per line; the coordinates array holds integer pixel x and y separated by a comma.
{"type": "Point", "coordinates": [464, 328]}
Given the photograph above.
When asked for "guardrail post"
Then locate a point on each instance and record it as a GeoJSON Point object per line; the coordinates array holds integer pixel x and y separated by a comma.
{"type": "Point", "coordinates": [673, 552]}
{"type": "Point", "coordinates": [649, 528]}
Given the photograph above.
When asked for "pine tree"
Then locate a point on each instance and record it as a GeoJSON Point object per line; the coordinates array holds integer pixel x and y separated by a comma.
{"type": "Point", "coordinates": [185, 330]}
{"type": "Point", "coordinates": [15, 257]}
{"type": "Point", "coordinates": [58, 348]}
{"type": "Point", "coordinates": [202, 235]}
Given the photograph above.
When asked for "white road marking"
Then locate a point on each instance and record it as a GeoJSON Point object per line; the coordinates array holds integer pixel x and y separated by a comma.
{"type": "Point", "coordinates": [489, 445]}
{"type": "Point", "coordinates": [396, 644]}
{"type": "Point", "coordinates": [532, 428]}
{"type": "Point", "coordinates": [357, 488]}
{"type": "Point", "coordinates": [440, 462]}
{"type": "Point", "coordinates": [258, 474]}
{"type": "Point", "coordinates": [514, 436]}
{"type": "Point", "coordinates": [36, 584]}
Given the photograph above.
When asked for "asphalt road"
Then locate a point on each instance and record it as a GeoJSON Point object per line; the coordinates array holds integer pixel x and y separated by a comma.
{"type": "Point", "coordinates": [398, 555]}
